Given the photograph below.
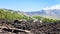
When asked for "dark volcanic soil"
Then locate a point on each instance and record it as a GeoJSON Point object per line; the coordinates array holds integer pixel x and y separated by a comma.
{"type": "Point", "coordinates": [36, 27]}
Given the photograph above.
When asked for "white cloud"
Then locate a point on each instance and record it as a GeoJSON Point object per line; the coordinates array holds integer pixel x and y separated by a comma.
{"type": "Point", "coordinates": [53, 7]}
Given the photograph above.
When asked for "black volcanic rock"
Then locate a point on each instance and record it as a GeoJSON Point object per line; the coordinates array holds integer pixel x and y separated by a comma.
{"type": "Point", "coordinates": [41, 28]}
{"type": "Point", "coordinates": [36, 27]}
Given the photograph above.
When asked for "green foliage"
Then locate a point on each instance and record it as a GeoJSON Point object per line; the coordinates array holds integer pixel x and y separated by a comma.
{"type": "Point", "coordinates": [46, 20]}
{"type": "Point", "coordinates": [12, 15]}
{"type": "Point", "coordinates": [37, 17]}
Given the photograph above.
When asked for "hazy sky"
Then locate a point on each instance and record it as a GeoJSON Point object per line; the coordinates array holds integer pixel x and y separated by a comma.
{"type": "Point", "coordinates": [27, 5]}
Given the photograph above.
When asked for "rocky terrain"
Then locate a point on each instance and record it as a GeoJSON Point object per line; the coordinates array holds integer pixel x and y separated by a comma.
{"type": "Point", "coordinates": [34, 27]}
{"type": "Point", "coordinates": [13, 22]}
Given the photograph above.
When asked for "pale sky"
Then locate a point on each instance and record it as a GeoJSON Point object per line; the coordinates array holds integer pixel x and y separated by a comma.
{"type": "Point", "coordinates": [28, 5]}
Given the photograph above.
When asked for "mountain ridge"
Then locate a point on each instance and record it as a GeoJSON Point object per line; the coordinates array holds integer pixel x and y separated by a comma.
{"type": "Point", "coordinates": [49, 13]}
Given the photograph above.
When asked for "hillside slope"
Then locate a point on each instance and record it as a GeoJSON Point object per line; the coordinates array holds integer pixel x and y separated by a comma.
{"type": "Point", "coordinates": [12, 15]}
